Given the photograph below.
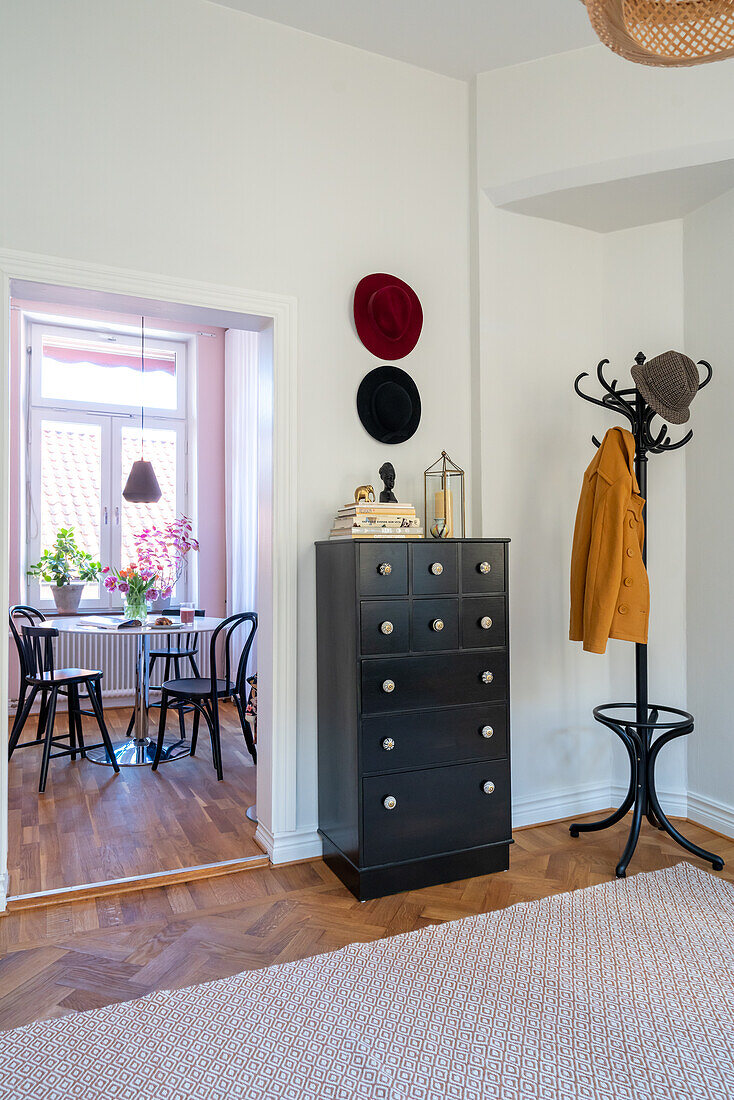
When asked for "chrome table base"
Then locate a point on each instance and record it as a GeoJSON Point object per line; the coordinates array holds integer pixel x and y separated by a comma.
{"type": "Point", "coordinates": [134, 752]}
{"type": "Point", "coordinates": [139, 750]}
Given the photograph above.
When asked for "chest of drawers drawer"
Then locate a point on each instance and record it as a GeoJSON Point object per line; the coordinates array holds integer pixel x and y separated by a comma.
{"type": "Point", "coordinates": [382, 568]}
{"type": "Point", "coordinates": [391, 684]}
{"type": "Point", "coordinates": [435, 624]}
{"type": "Point", "coordinates": [435, 568]}
{"type": "Point", "coordinates": [384, 626]}
{"type": "Point", "coordinates": [411, 815]}
{"type": "Point", "coordinates": [483, 622]}
{"type": "Point", "coordinates": [423, 738]}
{"type": "Point", "coordinates": [482, 567]}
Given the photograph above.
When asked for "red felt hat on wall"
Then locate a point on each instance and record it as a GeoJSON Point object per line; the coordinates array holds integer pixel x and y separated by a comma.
{"type": "Point", "coordinates": [387, 315]}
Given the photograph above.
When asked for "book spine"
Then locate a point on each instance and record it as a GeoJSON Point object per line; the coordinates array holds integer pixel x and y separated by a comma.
{"type": "Point", "coordinates": [376, 510]}
{"type": "Point", "coordinates": [368, 523]}
{"type": "Point", "coordinates": [341, 534]}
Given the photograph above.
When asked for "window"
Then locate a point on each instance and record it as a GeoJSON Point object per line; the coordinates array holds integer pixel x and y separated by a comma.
{"type": "Point", "coordinates": [83, 435]}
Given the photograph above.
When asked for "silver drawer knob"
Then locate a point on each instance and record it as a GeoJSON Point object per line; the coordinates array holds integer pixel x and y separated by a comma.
{"type": "Point", "coordinates": [386, 627]}
{"type": "Point", "coordinates": [437, 624]}
{"type": "Point", "coordinates": [485, 622]}
{"type": "Point", "coordinates": [388, 744]}
{"type": "Point", "coordinates": [389, 802]}
{"type": "Point", "coordinates": [484, 567]}
{"type": "Point", "coordinates": [388, 686]}
{"type": "Point", "coordinates": [384, 568]}
{"type": "Point", "coordinates": [488, 787]}
{"type": "Point", "coordinates": [437, 568]}
{"type": "Point", "coordinates": [487, 732]}
{"type": "Point", "coordinates": [487, 677]}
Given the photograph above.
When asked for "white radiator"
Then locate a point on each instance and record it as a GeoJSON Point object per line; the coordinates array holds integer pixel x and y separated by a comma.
{"type": "Point", "coordinates": [115, 656]}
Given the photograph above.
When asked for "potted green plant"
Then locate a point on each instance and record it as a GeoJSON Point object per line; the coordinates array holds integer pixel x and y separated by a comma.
{"type": "Point", "coordinates": [67, 569]}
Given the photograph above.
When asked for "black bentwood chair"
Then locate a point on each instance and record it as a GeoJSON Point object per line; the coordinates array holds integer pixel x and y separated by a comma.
{"type": "Point", "coordinates": [40, 675]}
{"type": "Point", "coordinates": [202, 694]}
{"type": "Point", "coordinates": [19, 616]}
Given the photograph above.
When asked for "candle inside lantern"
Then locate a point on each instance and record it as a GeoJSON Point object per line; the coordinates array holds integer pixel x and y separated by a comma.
{"type": "Point", "coordinates": [443, 508]}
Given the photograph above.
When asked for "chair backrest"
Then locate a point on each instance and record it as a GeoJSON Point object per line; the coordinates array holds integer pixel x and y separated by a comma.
{"type": "Point", "coordinates": [229, 627]}
{"type": "Point", "coordinates": [20, 616]}
{"type": "Point", "coordinates": [38, 652]}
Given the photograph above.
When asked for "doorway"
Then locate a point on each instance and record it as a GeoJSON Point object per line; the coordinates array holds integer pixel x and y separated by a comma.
{"type": "Point", "coordinates": [198, 824]}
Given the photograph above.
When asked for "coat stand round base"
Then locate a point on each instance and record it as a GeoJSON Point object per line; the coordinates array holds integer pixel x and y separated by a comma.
{"type": "Point", "coordinates": [643, 741]}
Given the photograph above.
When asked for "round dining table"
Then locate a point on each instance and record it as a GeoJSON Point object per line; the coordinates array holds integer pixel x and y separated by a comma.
{"type": "Point", "coordinates": [139, 747]}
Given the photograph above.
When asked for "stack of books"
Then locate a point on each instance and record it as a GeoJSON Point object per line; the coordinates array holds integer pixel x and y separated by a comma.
{"type": "Point", "coordinates": [377, 521]}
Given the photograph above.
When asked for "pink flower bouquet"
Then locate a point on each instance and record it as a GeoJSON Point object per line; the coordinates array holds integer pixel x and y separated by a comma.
{"type": "Point", "coordinates": [163, 551]}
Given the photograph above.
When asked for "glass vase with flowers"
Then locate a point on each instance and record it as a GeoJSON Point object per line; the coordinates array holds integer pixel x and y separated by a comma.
{"type": "Point", "coordinates": [137, 585]}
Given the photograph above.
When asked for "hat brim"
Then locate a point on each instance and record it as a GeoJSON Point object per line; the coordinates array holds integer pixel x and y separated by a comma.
{"type": "Point", "coordinates": [673, 416]}
{"type": "Point", "coordinates": [371, 337]}
{"type": "Point", "coordinates": [370, 422]}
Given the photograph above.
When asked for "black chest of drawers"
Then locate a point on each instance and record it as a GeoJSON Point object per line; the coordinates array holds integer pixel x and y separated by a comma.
{"type": "Point", "coordinates": [413, 700]}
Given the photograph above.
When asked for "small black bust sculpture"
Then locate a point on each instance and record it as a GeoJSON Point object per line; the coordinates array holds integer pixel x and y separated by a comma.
{"type": "Point", "coordinates": [387, 473]}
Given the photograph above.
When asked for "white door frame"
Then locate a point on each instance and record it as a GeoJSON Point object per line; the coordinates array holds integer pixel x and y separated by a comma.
{"type": "Point", "coordinates": [277, 549]}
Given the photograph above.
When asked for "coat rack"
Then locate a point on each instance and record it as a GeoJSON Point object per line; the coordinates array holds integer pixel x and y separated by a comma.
{"type": "Point", "coordinates": [653, 725]}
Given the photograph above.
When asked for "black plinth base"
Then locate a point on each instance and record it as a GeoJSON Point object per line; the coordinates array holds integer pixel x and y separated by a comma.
{"type": "Point", "coordinates": [643, 741]}
{"type": "Point", "coordinates": [376, 882]}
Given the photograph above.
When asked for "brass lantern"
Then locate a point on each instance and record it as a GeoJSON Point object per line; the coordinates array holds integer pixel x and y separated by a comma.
{"type": "Point", "coordinates": [444, 499]}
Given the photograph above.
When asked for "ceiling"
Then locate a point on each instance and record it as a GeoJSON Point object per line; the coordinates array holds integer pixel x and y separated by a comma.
{"type": "Point", "coordinates": [459, 38]}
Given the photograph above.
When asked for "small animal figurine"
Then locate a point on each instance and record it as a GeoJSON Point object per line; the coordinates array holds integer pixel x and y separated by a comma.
{"type": "Point", "coordinates": [365, 493]}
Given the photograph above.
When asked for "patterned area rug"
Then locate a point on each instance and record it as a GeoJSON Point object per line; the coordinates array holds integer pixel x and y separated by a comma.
{"type": "Point", "coordinates": [623, 991]}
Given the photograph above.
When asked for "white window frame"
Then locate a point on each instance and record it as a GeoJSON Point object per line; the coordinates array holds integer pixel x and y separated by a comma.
{"type": "Point", "coordinates": [112, 420]}
{"type": "Point", "coordinates": [104, 337]}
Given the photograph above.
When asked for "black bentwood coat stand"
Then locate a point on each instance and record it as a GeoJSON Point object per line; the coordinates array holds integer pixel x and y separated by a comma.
{"type": "Point", "coordinates": [653, 725]}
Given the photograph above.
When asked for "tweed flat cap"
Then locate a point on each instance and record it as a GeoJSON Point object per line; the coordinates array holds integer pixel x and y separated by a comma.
{"type": "Point", "coordinates": [668, 382]}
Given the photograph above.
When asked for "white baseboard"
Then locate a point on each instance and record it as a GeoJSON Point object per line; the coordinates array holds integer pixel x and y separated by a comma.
{"type": "Point", "coordinates": [289, 847]}
{"type": "Point", "coordinates": [566, 802]}
{"type": "Point", "coordinates": [588, 799]}
{"type": "Point", "coordinates": [674, 803]}
{"type": "Point", "coordinates": [715, 815]}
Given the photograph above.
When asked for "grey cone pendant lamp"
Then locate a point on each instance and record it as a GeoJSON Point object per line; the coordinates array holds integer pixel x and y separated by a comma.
{"type": "Point", "coordinates": [142, 485]}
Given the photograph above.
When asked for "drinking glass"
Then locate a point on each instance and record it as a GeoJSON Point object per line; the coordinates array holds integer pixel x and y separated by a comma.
{"type": "Point", "coordinates": [187, 613]}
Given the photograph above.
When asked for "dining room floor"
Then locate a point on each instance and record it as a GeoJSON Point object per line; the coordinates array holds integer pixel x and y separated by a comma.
{"type": "Point", "coordinates": [93, 826]}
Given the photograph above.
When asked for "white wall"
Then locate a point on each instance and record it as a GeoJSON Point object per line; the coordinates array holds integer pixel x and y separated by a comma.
{"type": "Point", "coordinates": [184, 138]}
{"type": "Point", "coordinates": [708, 237]}
{"type": "Point", "coordinates": [587, 116]}
{"type": "Point", "coordinates": [554, 300]}
{"type": "Point", "coordinates": [540, 295]}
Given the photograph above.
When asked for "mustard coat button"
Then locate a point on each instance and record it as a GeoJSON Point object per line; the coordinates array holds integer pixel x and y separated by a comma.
{"type": "Point", "coordinates": [630, 552]}
{"type": "Point", "coordinates": [628, 582]}
{"type": "Point", "coordinates": [622, 609]}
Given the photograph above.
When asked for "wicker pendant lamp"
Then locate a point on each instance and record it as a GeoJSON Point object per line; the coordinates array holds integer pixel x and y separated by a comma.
{"type": "Point", "coordinates": [670, 33]}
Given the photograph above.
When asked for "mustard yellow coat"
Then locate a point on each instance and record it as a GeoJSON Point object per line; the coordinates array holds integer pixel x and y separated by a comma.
{"type": "Point", "coordinates": [610, 592]}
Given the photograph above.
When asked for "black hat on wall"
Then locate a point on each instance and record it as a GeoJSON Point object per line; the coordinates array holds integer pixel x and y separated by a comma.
{"type": "Point", "coordinates": [389, 404]}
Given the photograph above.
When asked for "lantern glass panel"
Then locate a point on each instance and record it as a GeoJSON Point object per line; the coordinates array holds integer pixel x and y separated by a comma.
{"type": "Point", "coordinates": [444, 499]}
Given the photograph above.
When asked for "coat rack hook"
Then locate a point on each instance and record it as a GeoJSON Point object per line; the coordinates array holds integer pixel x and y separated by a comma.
{"type": "Point", "coordinates": [709, 371]}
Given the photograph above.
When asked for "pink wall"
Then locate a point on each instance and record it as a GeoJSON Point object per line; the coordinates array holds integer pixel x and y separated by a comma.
{"type": "Point", "coordinates": [210, 527]}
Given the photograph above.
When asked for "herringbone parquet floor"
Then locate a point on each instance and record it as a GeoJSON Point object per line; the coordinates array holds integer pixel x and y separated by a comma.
{"type": "Point", "coordinates": [86, 954]}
